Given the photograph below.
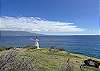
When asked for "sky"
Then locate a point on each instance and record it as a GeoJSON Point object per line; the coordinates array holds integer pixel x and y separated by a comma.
{"type": "Point", "coordinates": [59, 17]}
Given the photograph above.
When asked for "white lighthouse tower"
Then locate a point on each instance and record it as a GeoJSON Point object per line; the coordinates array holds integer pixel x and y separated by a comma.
{"type": "Point", "coordinates": [36, 42]}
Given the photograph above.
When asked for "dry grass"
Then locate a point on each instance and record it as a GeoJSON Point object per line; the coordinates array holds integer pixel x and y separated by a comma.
{"type": "Point", "coordinates": [9, 62]}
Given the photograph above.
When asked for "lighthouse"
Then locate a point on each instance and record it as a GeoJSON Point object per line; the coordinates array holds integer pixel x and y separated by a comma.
{"type": "Point", "coordinates": [36, 42]}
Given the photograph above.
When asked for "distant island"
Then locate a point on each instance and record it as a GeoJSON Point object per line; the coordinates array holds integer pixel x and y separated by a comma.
{"type": "Point", "coordinates": [18, 33]}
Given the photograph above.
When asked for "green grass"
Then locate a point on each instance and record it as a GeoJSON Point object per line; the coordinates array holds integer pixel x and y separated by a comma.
{"type": "Point", "coordinates": [46, 60]}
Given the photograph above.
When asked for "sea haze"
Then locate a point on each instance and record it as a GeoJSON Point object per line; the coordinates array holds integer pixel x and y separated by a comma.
{"type": "Point", "coordinates": [84, 44]}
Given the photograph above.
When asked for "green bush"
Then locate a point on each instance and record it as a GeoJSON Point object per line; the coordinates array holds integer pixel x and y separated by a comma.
{"type": "Point", "coordinates": [2, 49]}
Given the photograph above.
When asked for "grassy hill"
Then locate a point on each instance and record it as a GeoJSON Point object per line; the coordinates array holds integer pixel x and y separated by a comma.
{"type": "Point", "coordinates": [46, 59]}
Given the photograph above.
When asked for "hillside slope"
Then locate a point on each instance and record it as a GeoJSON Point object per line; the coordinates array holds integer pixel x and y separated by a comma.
{"type": "Point", "coordinates": [45, 59]}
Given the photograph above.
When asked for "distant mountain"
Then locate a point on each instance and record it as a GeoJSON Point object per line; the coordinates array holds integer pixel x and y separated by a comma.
{"type": "Point", "coordinates": [18, 33]}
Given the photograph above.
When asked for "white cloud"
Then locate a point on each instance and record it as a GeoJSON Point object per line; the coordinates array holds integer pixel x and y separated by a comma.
{"type": "Point", "coordinates": [35, 24]}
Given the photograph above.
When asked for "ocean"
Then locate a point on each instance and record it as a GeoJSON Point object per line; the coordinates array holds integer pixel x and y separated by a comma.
{"type": "Point", "coordinates": [83, 44]}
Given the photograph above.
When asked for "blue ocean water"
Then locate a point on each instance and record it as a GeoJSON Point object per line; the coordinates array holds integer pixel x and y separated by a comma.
{"type": "Point", "coordinates": [84, 44]}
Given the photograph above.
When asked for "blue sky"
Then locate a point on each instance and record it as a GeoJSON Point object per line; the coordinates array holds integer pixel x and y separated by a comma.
{"type": "Point", "coordinates": [84, 14]}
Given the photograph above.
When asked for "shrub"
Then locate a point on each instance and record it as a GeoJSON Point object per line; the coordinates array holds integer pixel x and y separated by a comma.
{"type": "Point", "coordinates": [9, 62]}
{"type": "Point", "coordinates": [8, 48]}
{"type": "Point", "coordinates": [52, 47]}
{"type": "Point", "coordinates": [2, 49]}
{"type": "Point", "coordinates": [61, 49]}
{"type": "Point", "coordinates": [66, 66]}
{"type": "Point", "coordinates": [30, 47]}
